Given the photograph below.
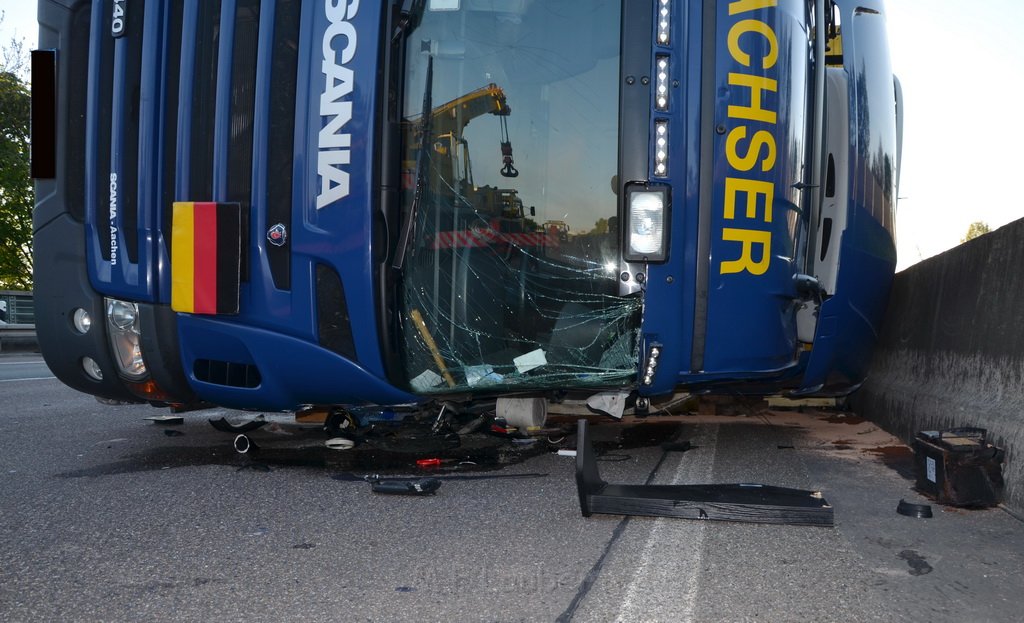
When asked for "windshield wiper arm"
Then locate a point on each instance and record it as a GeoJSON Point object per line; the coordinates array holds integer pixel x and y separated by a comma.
{"type": "Point", "coordinates": [409, 16]}
{"type": "Point", "coordinates": [422, 164]}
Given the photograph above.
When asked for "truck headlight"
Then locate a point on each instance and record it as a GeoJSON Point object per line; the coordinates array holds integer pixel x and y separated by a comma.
{"type": "Point", "coordinates": [647, 218]}
{"type": "Point", "coordinates": [123, 329]}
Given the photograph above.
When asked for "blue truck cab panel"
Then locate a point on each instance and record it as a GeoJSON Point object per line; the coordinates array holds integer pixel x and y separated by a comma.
{"type": "Point", "coordinates": [467, 199]}
{"type": "Point", "coordinates": [745, 180]}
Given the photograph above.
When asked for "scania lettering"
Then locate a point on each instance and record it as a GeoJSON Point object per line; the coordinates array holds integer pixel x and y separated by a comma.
{"type": "Point", "coordinates": [113, 219]}
{"type": "Point", "coordinates": [335, 107]}
{"type": "Point", "coordinates": [368, 206]}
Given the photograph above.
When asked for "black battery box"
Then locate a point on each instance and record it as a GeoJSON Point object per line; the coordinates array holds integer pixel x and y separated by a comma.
{"type": "Point", "coordinates": [958, 467]}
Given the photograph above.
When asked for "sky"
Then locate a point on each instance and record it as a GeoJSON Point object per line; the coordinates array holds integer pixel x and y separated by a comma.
{"type": "Point", "coordinates": [961, 65]}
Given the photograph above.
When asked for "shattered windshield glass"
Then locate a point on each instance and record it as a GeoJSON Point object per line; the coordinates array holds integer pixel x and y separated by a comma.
{"type": "Point", "coordinates": [510, 248]}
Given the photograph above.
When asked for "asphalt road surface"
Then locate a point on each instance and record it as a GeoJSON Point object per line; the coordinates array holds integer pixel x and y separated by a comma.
{"type": "Point", "coordinates": [14, 368]}
{"type": "Point", "coordinates": [104, 516]}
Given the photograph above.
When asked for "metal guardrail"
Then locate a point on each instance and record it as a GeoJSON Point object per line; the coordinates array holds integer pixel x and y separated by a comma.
{"type": "Point", "coordinates": [17, 322]}
{"type": "Point", "coordinates": [17, 308]}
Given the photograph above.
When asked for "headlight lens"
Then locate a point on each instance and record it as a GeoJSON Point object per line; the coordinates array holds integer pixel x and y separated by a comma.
{"type": "Point", "coordinates": [648, 211]}
{"type": "Point", "coordinates": [121, 314]}
{"type": "Point", "coordinates": [123, 327]}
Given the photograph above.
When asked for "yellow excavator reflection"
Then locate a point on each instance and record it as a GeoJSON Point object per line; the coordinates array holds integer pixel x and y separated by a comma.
{"type": "Point", "coordinates": [452, 172]}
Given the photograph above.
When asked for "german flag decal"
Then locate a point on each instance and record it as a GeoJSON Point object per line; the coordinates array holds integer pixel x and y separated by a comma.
{"type": "Point", "coordinates": [205, 257]}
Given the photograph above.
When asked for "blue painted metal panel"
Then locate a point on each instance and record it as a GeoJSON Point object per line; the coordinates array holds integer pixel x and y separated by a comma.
{"type": "Point", "coordinates": [148, 169]}
{"type": "Point", "coordinates": [760, 97]}
{"type": "Point", "coordinates": [293, 372]}
{"type": "Point", "coordinates": [668, 313]}
{"type": "Point", "coordinates": [118, 276]}
{"type": "Point", "coordinates": [222, 110]}
{"type": "Point", "coordinates": [339, 234]}
{"type": "Point", "coordinates": [762, 80]}
{"type": "Point", "coordinates": [158, 239]}
{"type": "Point", "coordinates": [850, 321]}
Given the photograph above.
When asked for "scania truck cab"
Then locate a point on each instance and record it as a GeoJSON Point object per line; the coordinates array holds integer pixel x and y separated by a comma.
{"type": "Point", "coordinates": [268, 204]}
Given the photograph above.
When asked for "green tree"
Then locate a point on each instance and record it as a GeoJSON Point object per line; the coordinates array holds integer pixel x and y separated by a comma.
{"type": "Point", "coordinates": [16, 193]}
{"type": "Point", "coordinates": [977, 228]}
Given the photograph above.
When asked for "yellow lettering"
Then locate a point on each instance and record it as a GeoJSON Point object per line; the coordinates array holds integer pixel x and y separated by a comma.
{"type": "Point", "coordinates": [756, 84]}
{"type": "Point", "coordinates": [747, 149]}
{"type": "Point", "coordinates": [742, 6]}
{"type": "Point", "coordinates": [761, 138]}
{"type": "Point", "coordinates": [752, 25]}
{"type": "Point", "coordinates": [754, 189]}
{"type": "Point", "coordinates": [749, 238]}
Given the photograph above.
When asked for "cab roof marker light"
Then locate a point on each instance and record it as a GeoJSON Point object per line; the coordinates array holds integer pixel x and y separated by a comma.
{"type": "Point", "coordinates": [661, 83]}
{"type": "Point", "coordinates": [664, 22]}
{"type": "Point", "coordinates": [661, 148]}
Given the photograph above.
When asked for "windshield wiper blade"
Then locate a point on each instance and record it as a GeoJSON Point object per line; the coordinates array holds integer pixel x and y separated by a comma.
{"type": "Point", "coordinates": [422, 164]}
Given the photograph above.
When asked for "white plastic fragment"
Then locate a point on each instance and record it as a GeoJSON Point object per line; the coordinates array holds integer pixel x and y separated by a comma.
{"type": "Point", "coordinates": [340, 443]}
{"type": "Point", "coordinates": [609, 403]}
{"type": "Point", "coordinates": [482, 374]}
{"type": "Point", "coordinates": [531, 360]}
{"type": "Point", "coordinates": [426, 380]}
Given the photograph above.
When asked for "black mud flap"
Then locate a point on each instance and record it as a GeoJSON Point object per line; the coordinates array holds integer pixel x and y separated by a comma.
{"type": "Point", "coordinates": [749, 503]}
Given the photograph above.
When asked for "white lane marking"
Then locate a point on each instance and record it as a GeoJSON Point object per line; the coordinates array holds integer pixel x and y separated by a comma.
{"type": "Point", "coordinates": [665, 584]}
{"type": "Point", "coordinates": [22, 363]}
{"type": "Point", "coordinates": [33, 378]}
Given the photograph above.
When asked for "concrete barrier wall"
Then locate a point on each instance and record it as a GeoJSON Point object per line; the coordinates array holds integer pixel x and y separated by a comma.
{"type": "Point", "coordinates": [951, 351]}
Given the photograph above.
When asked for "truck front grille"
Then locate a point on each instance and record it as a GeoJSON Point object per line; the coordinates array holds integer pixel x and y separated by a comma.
{"type": "Point", "coordinates": [184, 106]}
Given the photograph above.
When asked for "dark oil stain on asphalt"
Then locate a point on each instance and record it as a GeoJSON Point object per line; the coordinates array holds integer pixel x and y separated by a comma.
{"type": "Point", "coordinates": [917, 562]}
{"type": "Point", "coordinates": [898, 458]}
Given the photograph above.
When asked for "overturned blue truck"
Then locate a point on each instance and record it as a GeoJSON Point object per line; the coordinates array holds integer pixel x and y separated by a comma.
{"type": "Point", "coordinates": [272, 204]}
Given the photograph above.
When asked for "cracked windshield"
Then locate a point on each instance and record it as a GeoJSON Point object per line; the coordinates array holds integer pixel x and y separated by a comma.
{"type": "Point", "coordinates": [511, 246]}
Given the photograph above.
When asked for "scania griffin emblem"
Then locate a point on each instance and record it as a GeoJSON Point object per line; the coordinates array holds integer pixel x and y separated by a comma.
{"type": "Point", "coordinates": [277, 235]}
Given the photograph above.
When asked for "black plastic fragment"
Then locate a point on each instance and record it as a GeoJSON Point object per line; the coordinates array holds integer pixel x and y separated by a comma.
{"type": "Point", "coordinates": [921, 511]}
{"type": "Point", "coordinates": [167, 420]}
{"type": "Point", "coordinates": [743, 502]}
{"type": "Point", "coordinates": [417, 486]}
{"type": "Point", "coordinates": [224, 426]}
